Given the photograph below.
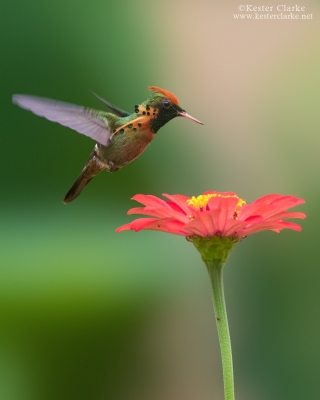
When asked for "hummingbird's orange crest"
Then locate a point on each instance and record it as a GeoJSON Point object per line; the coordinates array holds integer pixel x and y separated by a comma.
{"type": "Point", "coordinates": [166, 93]}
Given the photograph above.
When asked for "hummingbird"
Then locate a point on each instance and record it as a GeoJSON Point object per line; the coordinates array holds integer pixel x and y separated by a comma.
{"type": "Point", "coordinates": [121, 136]}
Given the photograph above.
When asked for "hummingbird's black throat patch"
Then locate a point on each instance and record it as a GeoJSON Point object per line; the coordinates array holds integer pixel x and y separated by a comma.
{"type": "Point", "coordinates": [164, 115]}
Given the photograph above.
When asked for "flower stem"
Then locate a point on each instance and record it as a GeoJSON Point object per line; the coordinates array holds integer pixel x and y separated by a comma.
{"type": "Point", "coordinates": [215, 273]}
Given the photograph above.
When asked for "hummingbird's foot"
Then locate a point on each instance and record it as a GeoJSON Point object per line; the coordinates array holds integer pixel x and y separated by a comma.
{"type": "Point", "coordinates": [112, 167]}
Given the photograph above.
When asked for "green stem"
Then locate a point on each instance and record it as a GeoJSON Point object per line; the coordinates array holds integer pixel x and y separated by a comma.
{"type": "Point", "coordinates": [215, 273]}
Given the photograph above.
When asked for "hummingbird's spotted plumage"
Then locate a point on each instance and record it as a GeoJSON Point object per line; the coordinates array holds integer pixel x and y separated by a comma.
{"type": "Point", "coordinates": [121, 137]}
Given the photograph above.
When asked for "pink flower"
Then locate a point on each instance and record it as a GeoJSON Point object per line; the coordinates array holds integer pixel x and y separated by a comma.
{"type": "Point", "coordinates": [214, 214]}
{"type": "Point", "coordinates": [214, 222]}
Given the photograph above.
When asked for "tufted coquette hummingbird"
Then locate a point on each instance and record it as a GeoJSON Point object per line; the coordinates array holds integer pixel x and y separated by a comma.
{"type": "Point", "coordinates": [121, 137]}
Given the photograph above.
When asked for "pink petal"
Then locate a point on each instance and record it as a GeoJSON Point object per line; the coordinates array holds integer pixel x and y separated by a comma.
{"type": "Point", "coordinates": [226, 207]}
{"type": "Point", "coordinates": [254, 219]}
{"type": "Point", "coordinates": [274, 226]}
{"type": "Point", "coordinates": [180, 201]}
{"type": "Point", "coordinates": [175, 207]}
{"type": "Point", "coordinates": [269, 205]}
{"type": "Point", "coordinates": [141, 223]}
{"type": "Point", "coordinates": [196, 227]}
{"type": "Point", "coordinates": [158, 207]}
{"type": "Point", "coordinates": [125, 227]}
{"type": "Point", "coordinates": [292, 225]}
{"type": "Point", "coordinates": [233, 226]}
{"type": "Point", "coordinates": [283, 204]}
{"type": "Point", "coordinates": [247, 210]}
{"type": "Point", "coordinates": [267, 199]}
{"type": "Point", "coordinates": [159, 213]}
{"type": "Point", "coordinates": [150, 201]}
{"type": "Point", "coordinates": [209, 220]}
{"type": "Point", "coordinates": [283, 215]}
{"type": "Point", "coordinates": [168, 225]}
{"type": "Point", "coordinates": [290, 201]}
{"type": "Point", "coordinates": [151, 211]}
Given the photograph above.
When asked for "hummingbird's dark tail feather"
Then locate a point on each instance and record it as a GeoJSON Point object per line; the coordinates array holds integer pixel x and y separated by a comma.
{"type": "Point", "coordinates": [91, 169]}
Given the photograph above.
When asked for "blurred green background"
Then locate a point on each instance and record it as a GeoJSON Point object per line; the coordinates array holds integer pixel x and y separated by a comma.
{"type": "Point", "coordinates": [86, 313]}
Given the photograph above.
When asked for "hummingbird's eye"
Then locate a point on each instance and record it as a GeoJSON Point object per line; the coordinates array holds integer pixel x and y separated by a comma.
{"type": "Point", "coordinates": [166, 103]}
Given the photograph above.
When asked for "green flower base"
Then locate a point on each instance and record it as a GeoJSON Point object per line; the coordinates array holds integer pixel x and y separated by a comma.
{"type": "Point", "coordinates": [214, 249]}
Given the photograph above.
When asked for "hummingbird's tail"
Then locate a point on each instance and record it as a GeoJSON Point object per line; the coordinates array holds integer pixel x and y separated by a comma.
{"type": "Point", "coordinates": [91, 169]}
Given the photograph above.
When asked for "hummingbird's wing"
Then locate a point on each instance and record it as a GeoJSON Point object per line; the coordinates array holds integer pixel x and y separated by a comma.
{"type": "Point", "coordinates": [84, 120]}
{"type": "Point", "coordinates": [118, 111]}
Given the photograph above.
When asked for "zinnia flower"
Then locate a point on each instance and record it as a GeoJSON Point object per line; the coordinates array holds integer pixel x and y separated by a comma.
{"type": "Point", "coordinates": [214, 214]}
{"type": "Point", "coordinates": [214, 222]}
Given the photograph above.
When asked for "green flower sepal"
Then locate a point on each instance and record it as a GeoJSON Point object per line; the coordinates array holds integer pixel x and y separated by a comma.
{"type": "Point", "coordinates": [215, 249]}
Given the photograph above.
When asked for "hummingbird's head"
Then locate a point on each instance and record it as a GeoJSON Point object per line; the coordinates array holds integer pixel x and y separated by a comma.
{"type": "Point", "coordinates": [167, 106]}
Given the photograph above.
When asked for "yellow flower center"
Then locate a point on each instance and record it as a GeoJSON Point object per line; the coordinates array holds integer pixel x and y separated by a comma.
{"type": "Point", "coordinates": [200, 203]}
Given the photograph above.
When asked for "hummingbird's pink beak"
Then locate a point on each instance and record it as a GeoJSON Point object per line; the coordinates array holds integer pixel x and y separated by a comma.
{"type": "Point", "coordinates": [184, 114]}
